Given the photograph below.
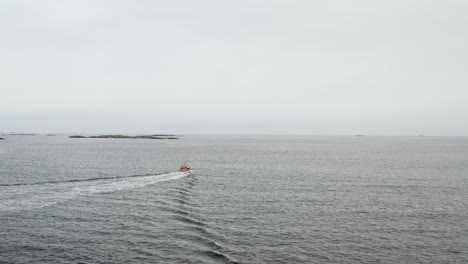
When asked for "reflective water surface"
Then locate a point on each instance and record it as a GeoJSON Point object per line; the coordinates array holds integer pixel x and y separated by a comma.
{"type": "Point", "coordinates": [252, 199]}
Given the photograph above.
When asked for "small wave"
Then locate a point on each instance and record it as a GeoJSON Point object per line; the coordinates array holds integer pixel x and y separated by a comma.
{"type": "Point", "coordinates": [189, 220]}
{"type": "Point", "coordinates": [183, 202]}
{"type": "Point", "coordinates": [183, 193]}
{"type": "Point", "coordinates": [176, 203]}
{"type": "Point", "coordinates": [174, 210]}
{"type": "Point", "coordinates": [177, 195]}
{"type": "Point", "coordinates": [148, 254]}
{"type": "Point", "coordinates": [180, 189]}
{"type": "Point", "coordinates": [201, 240]}
{"type": "Point", "coordinates": [202, 231]}
{"type": "Point", "coordinates": [218, 256]}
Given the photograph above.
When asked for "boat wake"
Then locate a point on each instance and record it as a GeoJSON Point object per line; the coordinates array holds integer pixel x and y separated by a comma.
{"type": "Point", "coordinates": [83, 180]}
{"type": "Point", "coordinates": [134, 182]}
{"type": "Point", "coordinates": [27, 196]}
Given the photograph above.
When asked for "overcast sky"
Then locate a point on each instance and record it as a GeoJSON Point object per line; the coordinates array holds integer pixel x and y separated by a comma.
{"type": "Point", "coordinates": [387, 67]}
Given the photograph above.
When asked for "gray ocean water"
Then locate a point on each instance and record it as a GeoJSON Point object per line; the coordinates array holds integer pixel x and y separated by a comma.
{"type": "Point", "coordinates": [252, 199]}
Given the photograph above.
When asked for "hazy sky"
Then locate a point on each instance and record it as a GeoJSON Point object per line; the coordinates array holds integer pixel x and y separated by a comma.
{"type": "Point", "coordinates": [389, 67]}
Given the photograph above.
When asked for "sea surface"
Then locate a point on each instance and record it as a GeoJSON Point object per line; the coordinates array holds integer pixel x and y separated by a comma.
{"type": "Point", "coordinates": [251, 199]}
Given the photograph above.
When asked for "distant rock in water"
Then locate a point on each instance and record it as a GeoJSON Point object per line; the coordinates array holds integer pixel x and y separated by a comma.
{"type": "Point", "coordinates": [132, 137]}
{"type": "Point", "coordinates": [2, 139]}
{"type": "Point", "coordinates": [110, 136]}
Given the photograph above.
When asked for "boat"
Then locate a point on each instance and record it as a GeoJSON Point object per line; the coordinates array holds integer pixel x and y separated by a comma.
{"type": "Point", "coordinates": [185, 168]}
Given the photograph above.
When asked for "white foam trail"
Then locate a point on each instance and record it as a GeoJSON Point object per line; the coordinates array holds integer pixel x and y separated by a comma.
{"type": "Point", "coordinates": [31, 197]}
{"type": "Point", "coordinates": [128, 183]}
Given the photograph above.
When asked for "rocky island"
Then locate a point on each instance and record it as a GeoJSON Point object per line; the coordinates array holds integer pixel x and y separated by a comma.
{"type": "Point", "coordinates": [132, 137]}
{"type": "Point", "coordinates": [2, 138]}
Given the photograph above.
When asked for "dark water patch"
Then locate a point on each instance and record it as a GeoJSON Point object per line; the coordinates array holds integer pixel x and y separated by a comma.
{"type": "Point", "coordinates": [411, 187]}
{"type": "Point", "coordinates": [81, 259]}
{"type": "Point", "coordinates": [200, 240]}
{"type": "Point", "coordinates": [191, 183]}
{"type": "Point", "coordinates": [218, 256]}
{"type": "Point", "coordinates": [454, 251]}
{"type": "Point", "coordinates": [186, 206]}
{"type": "Point", "coordinates": [189, 220]}
{"type": "Point", "coordinates": [184, 202]}
{"type": "Point", "coordinates": [360, 212]}
{"type": "Point", "coordinates": [182, 194]}
{"type": "Point", "coordinates": [163, 203]}
{"type": "Point", "coordinates": [181, 189]}
{"type": "Point", "coordinates": [314, 255]}
{"type": "Point", "coordinates": [203, 230]}
{"type": "Point", "coordinates": [174, 210]}
{"type": "Point", "coordinates": [30, 248]}
{"type": "Point", "coordinates": [146, 253]}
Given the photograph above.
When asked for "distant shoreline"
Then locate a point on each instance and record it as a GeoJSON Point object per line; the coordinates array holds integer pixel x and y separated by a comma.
{"type": "Point", "coordinates": [18, 134]}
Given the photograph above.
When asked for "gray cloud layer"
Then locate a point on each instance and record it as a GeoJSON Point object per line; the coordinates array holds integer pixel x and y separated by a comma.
{"type": "Point", "coordinates": [210, 66]}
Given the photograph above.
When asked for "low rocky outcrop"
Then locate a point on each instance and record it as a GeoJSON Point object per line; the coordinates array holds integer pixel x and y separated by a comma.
{"type": "Point", "coordinates": [131, 137]}
{"type": "Point", "coordinates": [110, 136]}
{"type": "Point", "coordinates": [2, 139]}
